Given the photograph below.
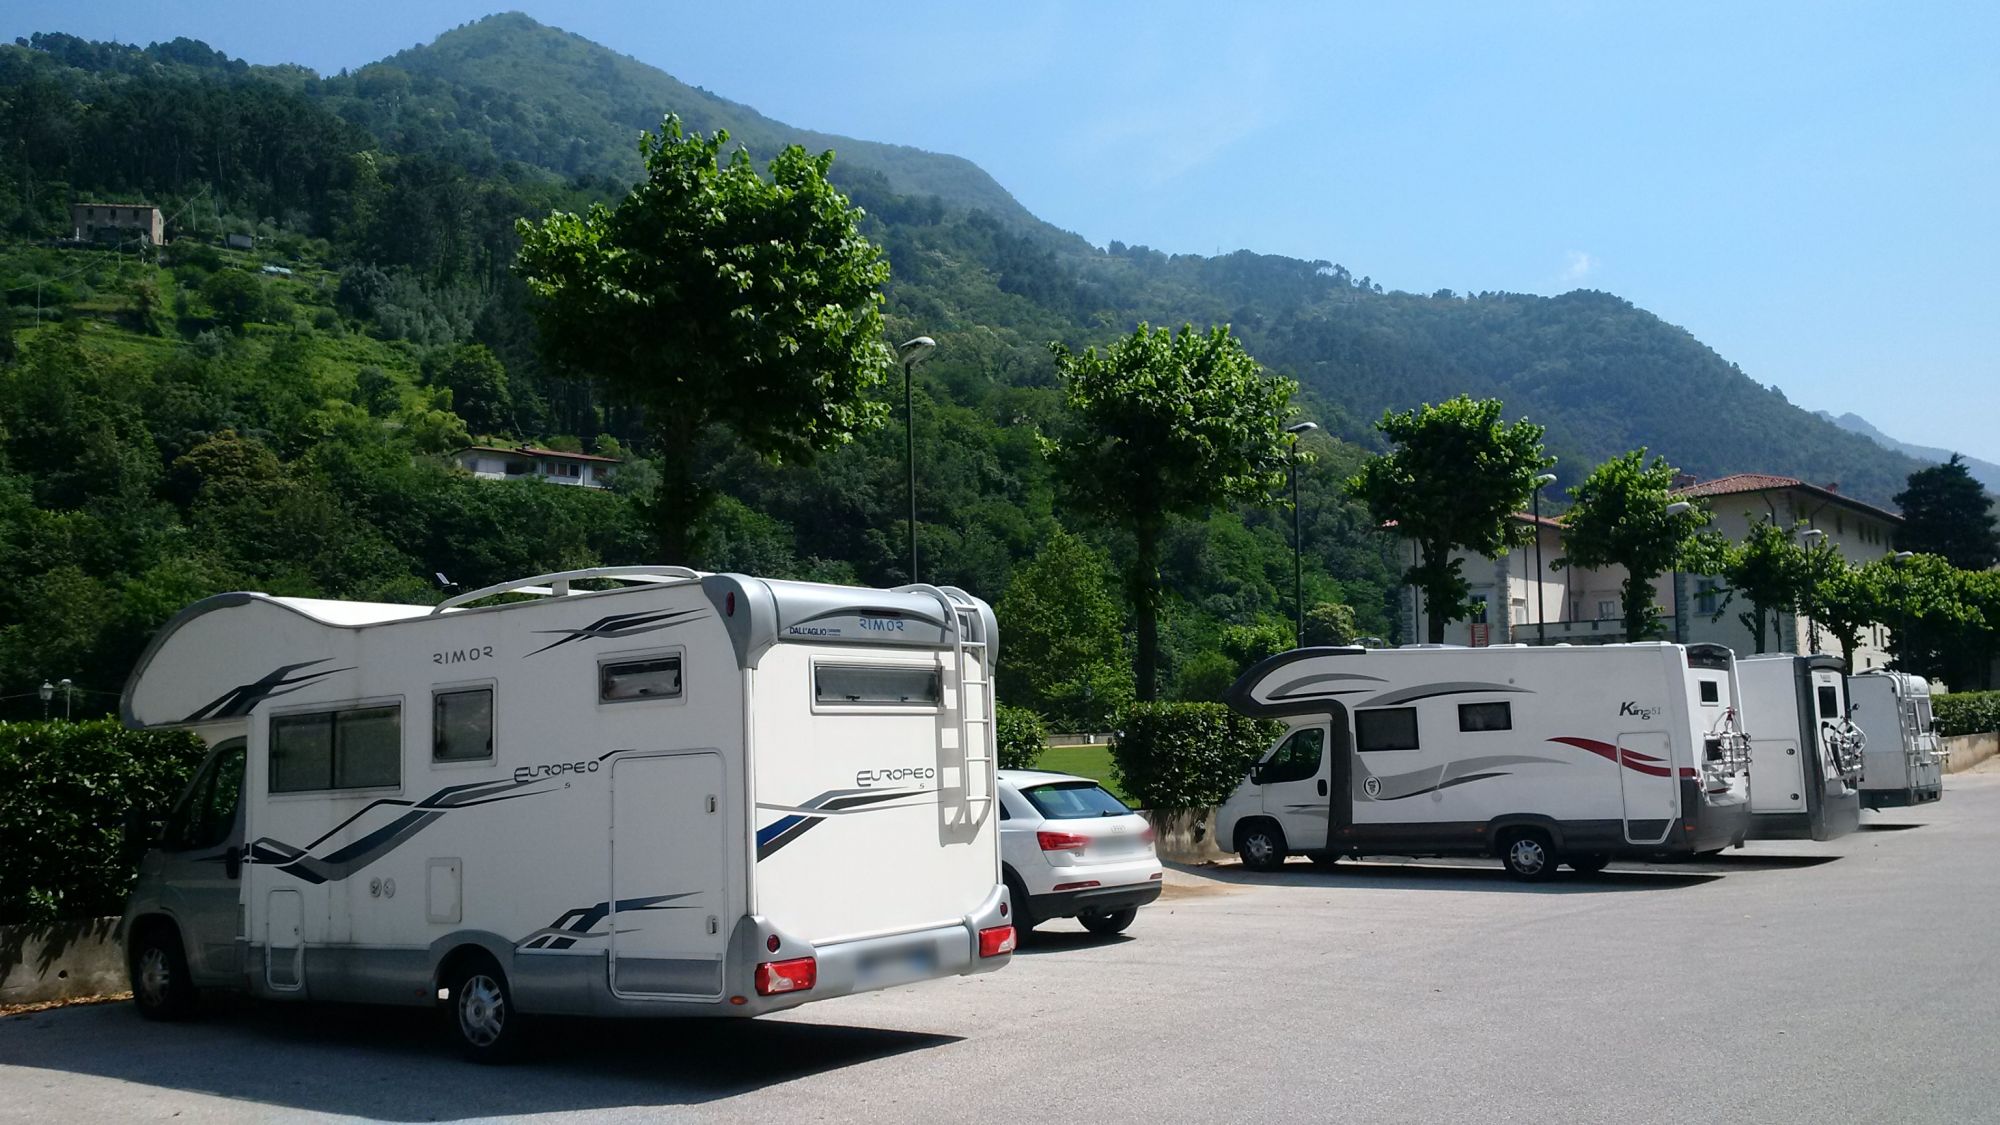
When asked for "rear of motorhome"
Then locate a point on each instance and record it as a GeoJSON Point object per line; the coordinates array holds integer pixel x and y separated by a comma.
{"type": "Point", "coordinates": [1904, 760]}
{"type": "Point", "coordinates": [1541, 756]}
{"type": "Point", "coordinates": [1806, 770]}
{"type": "Point", "coordinates": [689, 794]}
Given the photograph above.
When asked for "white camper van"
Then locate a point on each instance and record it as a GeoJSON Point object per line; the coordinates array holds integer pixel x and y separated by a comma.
{"type": "Point", "coordinates": [688, 794]}
{"type": "Point", "coordinates": [1904, 760]}
{"type": "Point", "coordinates": [1806, 773]}
{"type": "Point", "coordinates": [1538, 755]}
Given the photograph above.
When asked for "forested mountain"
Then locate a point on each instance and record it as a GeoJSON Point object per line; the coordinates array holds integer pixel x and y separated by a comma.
{"type": "Point", "coordinates": [173, 424]}
{"type": "Point", "coordinates": [1985, 472]}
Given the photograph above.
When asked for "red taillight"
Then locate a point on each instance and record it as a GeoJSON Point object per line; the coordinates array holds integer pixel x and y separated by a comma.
{"type": "Point", "coordinates": [995, 941]}
{"type": "Point", "coordinates": [1061, 841]}
{"type": "Point", "coordinates": [1149, 837]}
{"type": "Point", "coordinates": [1160, 875]}
{"type": "Point", "coordinates": [1083, 886]}
{"type": "Point", "coordinates": [775, 978]}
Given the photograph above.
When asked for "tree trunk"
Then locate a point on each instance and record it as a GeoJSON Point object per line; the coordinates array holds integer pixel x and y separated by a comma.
{"type": "Point", "coordinates": [1638, 599]}
{"type": "Point", "coordinates": [681, 501]}
{"type": "Point", "coordinates": [1145, 582]}
{"type": "Point", "coordinates": [1435, 619]}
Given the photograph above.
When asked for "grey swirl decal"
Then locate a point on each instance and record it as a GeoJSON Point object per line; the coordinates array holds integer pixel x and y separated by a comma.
{"type": "Point", "coordinates": [803, 818]}
{"type": "Point", "coordinates": [1427, 691]}
{"type": "Point", "coordinates": [344, 861]}
{"type": "Point", "coordinates": [580, 922]}
{"type": "Point", "coordinates": [1430, 779]}
{"type": "Point", "coordinates": [1295, 689]}
{"type": "Point", "coordinates": [620, 625]}
{"type": "Point", "coordinates": [237, 701]}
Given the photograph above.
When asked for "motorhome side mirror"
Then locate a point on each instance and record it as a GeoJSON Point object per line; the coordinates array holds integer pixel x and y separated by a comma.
{"type": "Point", "coordinates": [1257, 774]}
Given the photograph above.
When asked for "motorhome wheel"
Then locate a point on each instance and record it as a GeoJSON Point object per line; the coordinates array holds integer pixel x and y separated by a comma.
{"type": "Point", "coordinates": [1262, 846]}
{"type": "Point", "coordinates": [161, 988]}
{"type": "Point", "coordinates": [1529, 855]}
{"type": "Point", "coordinates": [1104, 923]}
{"type": "Point", "coordinates": [482, 1008]}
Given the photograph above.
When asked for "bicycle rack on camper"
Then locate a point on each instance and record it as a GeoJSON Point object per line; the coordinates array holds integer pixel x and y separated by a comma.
{"type": "Point", "coordinates": [1806, 773]}
{"type": "Point", "coordinates": [686, 794]}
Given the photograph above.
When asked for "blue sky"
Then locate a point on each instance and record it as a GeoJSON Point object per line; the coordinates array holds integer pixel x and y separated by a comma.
{"type": "Point", "coordinates": [1812, 189]}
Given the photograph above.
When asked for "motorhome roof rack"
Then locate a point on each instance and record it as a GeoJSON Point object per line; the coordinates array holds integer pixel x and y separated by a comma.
{"type": "Point", "coordinates": [557, 583]}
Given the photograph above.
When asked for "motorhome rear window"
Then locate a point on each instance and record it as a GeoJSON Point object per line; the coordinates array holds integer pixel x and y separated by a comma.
{"type": "Point", "coordinates": [1711, 692]}
{"type": "Point", "coordinates": [357, 748]}
{"type": "Point", "coordinates": [877, 685]}
{"type": "Point", "coordinates": [1485, 716]}
{"type": "Point", "coordinates": [1829, 702]}
{"type": "Point", "coordinates": [462, 725]}
{"type": "Point", "coordinates": [1387, 728]}
{"type": "Point", "coordinates": [1074, 800]}
{"type": "Point", "coordinates": [656, 677]}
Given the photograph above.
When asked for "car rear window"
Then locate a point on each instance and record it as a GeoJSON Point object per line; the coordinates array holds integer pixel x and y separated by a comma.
{"type": "Point", "coordinates": [1074, 800]}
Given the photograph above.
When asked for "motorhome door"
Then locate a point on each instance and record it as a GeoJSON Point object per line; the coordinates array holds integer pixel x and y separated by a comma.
{"type": "Point", "coordinates": [668, 860]}
{"type": "Point", "coordinates": [1296, 785]}
{"type": "Point", "coordinates": [1651, 792]}
{"type": "Point", "coordinates": [201, 868]}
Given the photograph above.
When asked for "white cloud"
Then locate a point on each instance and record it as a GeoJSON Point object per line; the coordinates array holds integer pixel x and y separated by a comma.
{"type": "Point", "coordinates": [1579, 266]}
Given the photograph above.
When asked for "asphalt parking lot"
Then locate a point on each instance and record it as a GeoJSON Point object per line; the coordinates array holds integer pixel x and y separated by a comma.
{"type": "Point", "coordinates": [1783, 982]}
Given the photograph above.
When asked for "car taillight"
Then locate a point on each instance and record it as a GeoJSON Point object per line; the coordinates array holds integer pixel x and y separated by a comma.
{"type": "Point", "coordinates": [996, 940]}
{"type": "Point", "coordinates": [1083, 886]}
{"type": "Point", "coordinates": [775, 978]}
{"type": "Point", "coordinates": [1061, 841]}
{"type": "Point", "coordinates": [1149, 837]}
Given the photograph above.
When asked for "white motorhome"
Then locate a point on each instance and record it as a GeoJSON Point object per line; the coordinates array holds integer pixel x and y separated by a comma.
{"type": "Point", "coordinates": [1806, 772]}
{"type": "Point", "coordinates": [1538, 755]}
{"type": "Point", "coordinates": [688, 794]}
{"type": "Point", "coordinates": [1904, 761]}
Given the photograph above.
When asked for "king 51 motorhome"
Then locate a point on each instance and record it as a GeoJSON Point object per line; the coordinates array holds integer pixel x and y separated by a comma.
{"type": "Point", "coordinates": [1538, 755]}
{"type": "Point", "coordinates": [689, 794]}
{"type": "Point", "coordinates": [1904, 760]}
{"type": "Point", "coordinates": [1806, 773]}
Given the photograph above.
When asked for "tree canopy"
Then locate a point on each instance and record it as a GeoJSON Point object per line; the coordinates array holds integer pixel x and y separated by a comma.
{"type": "Point", "coordinates": [1623, 515]}
{"type": "Point", "coordinates": [1946, 512]}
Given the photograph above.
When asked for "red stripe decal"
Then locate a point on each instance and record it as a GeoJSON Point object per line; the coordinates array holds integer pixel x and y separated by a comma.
{"type": "Point", "coordinates": [1601, 749]}
{"type": "Point", "coordinates": [1631, 760]}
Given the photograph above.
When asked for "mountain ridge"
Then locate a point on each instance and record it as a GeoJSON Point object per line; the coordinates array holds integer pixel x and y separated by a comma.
{"type": "Point", "coordinates": [1985, 472]}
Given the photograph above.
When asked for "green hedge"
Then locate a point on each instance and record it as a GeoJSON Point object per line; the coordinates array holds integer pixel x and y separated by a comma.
{"type": "Point", "coordinates": [69, 793]}
{"type": "Point", "coordinates": [1021, 736]}
{"type": "Point", "coordinates": [1967, 712]}
{"type": "Point", "coordinates": [1173, 757]}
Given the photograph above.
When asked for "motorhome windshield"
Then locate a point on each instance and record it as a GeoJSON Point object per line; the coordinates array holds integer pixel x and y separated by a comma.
{"type": "Point", "coordinates": [1073, 800]}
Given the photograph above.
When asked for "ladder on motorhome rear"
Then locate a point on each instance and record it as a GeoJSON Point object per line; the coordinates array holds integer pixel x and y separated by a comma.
{"type": "Point", "coordinates": [970, 703]}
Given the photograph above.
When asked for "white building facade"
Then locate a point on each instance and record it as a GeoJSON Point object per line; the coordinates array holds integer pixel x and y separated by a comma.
{"type": "Point", "coordinates": [530, 462]}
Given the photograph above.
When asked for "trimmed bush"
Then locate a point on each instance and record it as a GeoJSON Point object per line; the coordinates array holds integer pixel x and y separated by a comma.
{"type": "Point", "coordinates": [1176, 757]}
{"type": "Point", "coordinates": [1021, 736]}
{"type": "Point", "coordinates": [69, 793]}
{"type": "Point", "coordinates": [1967, 712]}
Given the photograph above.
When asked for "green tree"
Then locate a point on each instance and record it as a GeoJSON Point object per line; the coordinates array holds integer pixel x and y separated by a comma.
{"type": "Point", "coordinates": [1767, 570]}
{"type": "Point", "coordinates": [1946, 512]}
{"type": "Point", "coordinates": [1166, 424]}
{"type": "Point", "coordinates": [1331, 623]}
{"type": "Point", "coordinates": [1455, 480]}
{"type": "Point", "coordinates": [1844, 600]}
{"type": "Point", "coordinates": [714, 296]}
{"type": "Point", "coordinates": [478, 384]}
{"type": "Point", "coordinates": [1925, 603]}
{"type": "Point", "coordinates": [1623, 516]}
{"type": "Point", "coordinates": [235, 297]}
{"type": "Point", "coordinates": [1064, 654]}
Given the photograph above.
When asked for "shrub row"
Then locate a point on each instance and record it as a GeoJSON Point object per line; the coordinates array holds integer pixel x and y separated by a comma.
{"type": "Point", "coordinates": [1173, 757]}
{"type": "Point", "coordinates": [1967, 712]}
{"type": "Point", "coordinates": [70, 796]}
{"type": "Point", "coordinates": [1021, 736]}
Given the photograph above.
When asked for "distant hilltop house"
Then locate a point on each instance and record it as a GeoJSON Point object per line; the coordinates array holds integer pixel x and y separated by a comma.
{"type": "Point", "coordinates": [1517, 601]}
{"type": "Point", "coordinates": [240, 241]}
{"type": "Point", "coordinates": [114, 220]}
{"type": "Point", "coordinates": [493, 462]}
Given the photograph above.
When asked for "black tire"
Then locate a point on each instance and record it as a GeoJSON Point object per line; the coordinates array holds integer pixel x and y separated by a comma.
{"type": "Point", "coordinates": [481, 1010]}
{"type": "Point", "coordinates": [1529, 854]}
{"type": "Point", "coordinates": [1261, 843]}
{"type": "Point", "coordinates": [161, 986]}
{"type": "Point", "coordinates": [1588, 864]}
{"type": "Point", "coordinates": [1325, 861]}
{"type": "Point", "coordinates": [1017, 896]}
{"type": "Point", "coordinates": [1105, 923]}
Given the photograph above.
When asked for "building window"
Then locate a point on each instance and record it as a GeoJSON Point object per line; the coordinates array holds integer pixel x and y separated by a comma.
{"type": "Point", "coordinates": [1485, 716]}
{"type": "Point", "coordinates": [462, 725]}
{"type": "Point", "coordinates": [1478, 609]}
{"type": "Point", "coordinates": [1707, 597]}
{"type": "Point", "coordinates": [1607, 610]}
{"type": "Point", "coordinates": [1387, 728]}
{"type": "Point", "coordinates": [876, 685]}
{"type": "Point", "coordinates": [624, 681]}
{"type": "Point", "coordinates": [355, 748]}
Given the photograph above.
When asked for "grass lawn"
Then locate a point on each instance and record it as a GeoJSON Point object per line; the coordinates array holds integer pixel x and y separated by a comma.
{"type": "Point", "coordinates": [1083, 761]}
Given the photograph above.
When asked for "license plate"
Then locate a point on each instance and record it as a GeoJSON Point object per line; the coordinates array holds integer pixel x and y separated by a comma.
{"type": "Point", "coordinates": [879, 968]}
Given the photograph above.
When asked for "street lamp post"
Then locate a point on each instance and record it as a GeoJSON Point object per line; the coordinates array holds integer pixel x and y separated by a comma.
{"type": "Point", "coordinates": [1680, 634]}
{"type": "Point", "coordinates": [912, 352]}
{"type": "Point", "coordinates": [1298, 430]}
{"type": "Point", "coordinates": [46, 692]}
{"type": "Point", "coordinates": [1902, 638]}
{"type": "Point", "coordinates": [1812, 537]}
{"type": "Point", "coordinates": [1541, 575]}
{"type": "Point", "coordinates": [69, 699]}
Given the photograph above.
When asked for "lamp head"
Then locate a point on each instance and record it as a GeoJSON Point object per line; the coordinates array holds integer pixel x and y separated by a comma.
{"type": "Point", "coordinates": [1813, 535]}
{"type": "Point", "coordinates": [1300, 429]}
{"type": "Point", "coordinates": [915, 351]}
{"type": "Point", "coordinates": [1545, 480]}
{"type": "Point", "coordinates": [1679, 506]}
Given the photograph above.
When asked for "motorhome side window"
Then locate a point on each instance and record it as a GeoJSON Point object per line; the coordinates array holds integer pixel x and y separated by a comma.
{"type": "Point", "coordinates": [1386, 728]}
{"type": "Point", "coordinates": [891, 685]}
{"type": "Point", "coordinates": [656, 677]}
{"type": "Point", "coordinates": [1485, 716]}
{"type": "Point", "coordinates": [1296, 758]}
{"type": "Point", "coordinates": [1829, 702]}
{"type": "Point", "coordinates": [462, 725]}
{"type": "Point", "coordinates": [354, 748]}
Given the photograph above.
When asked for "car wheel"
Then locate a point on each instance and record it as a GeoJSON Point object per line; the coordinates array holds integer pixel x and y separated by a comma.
{"type": "Point", "coordinates": [1589, 864]}
{"type": "Point", "coordinates": [1262, 846]}
{"type": "Point", "coordinates": [482, 1011]}
{"type": "Point", "coordinates": [1529, 855]}
{"type": "Point", "coordinates": [1017, 897]}
{"type": "Point", "coordinates": [1105, 923]}
{"type": "Point", "coordinates": [161, 987]}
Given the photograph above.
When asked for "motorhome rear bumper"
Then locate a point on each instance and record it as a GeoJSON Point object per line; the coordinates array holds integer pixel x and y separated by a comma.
{"type": "Point", "coordinates": [1717, 826]}
{"type": "Point", "coordinates": [1900, 798]}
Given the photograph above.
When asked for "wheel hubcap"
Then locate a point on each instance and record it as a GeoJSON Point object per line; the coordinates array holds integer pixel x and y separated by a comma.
{"type": "Point", "coordinates": [1527, 856]}
{"type": "Point", "coordinates": [1259, 847]}
{"type": "Point", "coordinates": [482, 1010]}
{"type": "Point", "coordinates": [155, 978]}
